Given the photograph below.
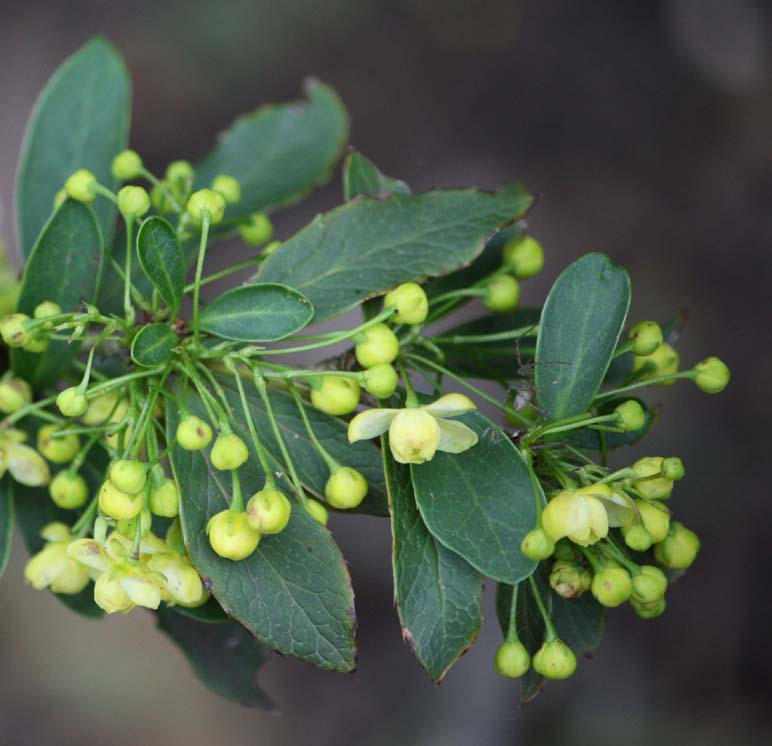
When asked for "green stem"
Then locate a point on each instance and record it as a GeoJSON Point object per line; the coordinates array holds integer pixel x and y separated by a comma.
{"type": "Point", "coordinates": [643, 384]}
{"type": "Point", "coordinates": [537, 491]}
{"type": "Point", "coordinates": [332, 464]}
{"type": "Point", "coordinates": [571, 423]}
{"type": "Point", "coordinates": [81, 526]}
{"type": "Point", "coordinates": [512, 635]}
{"type": "Point", "coordinates": [199, 271]}
{"type": "Point", "coordinates": [412, 398]}
{"type": "Point", "coordinates": [457, 294]}
{"type": "Point", "coordinates": [225, 272]}
{"type": "Point", "coordinates": [460, 339]}
{"type": "Point", "coordinates": [237, 501]}
{"type": "Point", "coordinates": [128, 309]}
{"type": "Point", "coordinates": [156, 182]}
{"type": "Point", "coordinates": [552, 633]}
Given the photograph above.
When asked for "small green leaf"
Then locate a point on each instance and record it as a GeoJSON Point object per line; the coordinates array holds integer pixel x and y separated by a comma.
{"type": "Point", "coordinates": [6, 522]}
{"type": "Point", "coordinates": [370, 245]}
{"type": "Point", "coordinates": [361, 177]}
{"type": "Point", "coordinates": [480, 503]}
{"type": "Point", "coordinates": [279, 153]}
{"type": "Point", "coordinates": [582, 319]}
{"type": "Point", "coordinates": [80, 120]}
{"type": "Point", "coordinates": [154, 345]}
{"type": "Point", "coordinates": [263, 312]}
{"type": "Point", "coordinates": [64, 267]}
{"type": "Point", "coordinates": [438, 594]}
{"type": "Point", "coordinates": [162, 260]}
{"type": "Point", "coordinates": [225, 657]}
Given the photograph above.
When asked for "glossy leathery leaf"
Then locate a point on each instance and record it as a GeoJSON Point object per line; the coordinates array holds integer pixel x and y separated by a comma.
{"type": "Point", "coordinates": [162, 260]}
{"type": "Point", "coordinates": [154, 345]}
{"type": "Point", "coordinates": [580, 622]}
{"type": "Point", "coordinates": [362, 178]}
{"type": "Point", "coordinates": [211, 612]}
{"type": "Point", "coordinates": [6, 521]}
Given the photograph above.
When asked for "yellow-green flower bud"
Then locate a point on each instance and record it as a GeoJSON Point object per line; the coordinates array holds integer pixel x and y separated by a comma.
{"type": "Point", "coordinates": [502, 294]}
{"type": "Point", "coordinates": [564, 550]}
{"type": "Point", "coordinates": [536, 545]}
{"type": "Point", "coordinates": [180, 172]}
{"type": "Point", "coordinates": [579, 517]}
{"type": "Point", "coordinates": [646, 336]}
{"type": "Point", "coordinates": [46, 309]}
{"type": "Point", "coordinates": [256, 229]}
{"type": "Point", "coordinates": [133, 202]}
{"type": "Point", "coordinates": [569, 579]}
{"type": "Point", "coordinates": [165, 499]}
{"type": "Point", "coordinates": [159, 199]}
{"type": "Point", "coordinates": [317, 511]}
{"type": "Point", "coordinates": [679, 549]}
{"type": "Point", "coordinates": [231, 536]}
{"type": "Point", "coordinates": [673, 469]}
{"type": "Point", "coordinates": [414, 436]}
{"type": "Point", "coordinates": [68, 490]}
{"type": "Point", "coordinates": [182, 581]}
{"type": "Point", "coordinates": [128, 476]}
{"type": "Point", "coordinates": [631, 415]}
{"type": "Point", "coordinates": [109, 593]}
{"type": "Point", "coordinates": [228, 188]}
{"type": "Point", "coordinates": [612, 586]}
{"type": "Point", "coordinates": [381, 380]}
{"type": "Point", "coordinates": [38, 342]}
{"type": "Point", "coordinates": [13, 331]}
{"type": "Point", "coordinates": [126, 165]}
{"type": "Point", "coordinates": [662, 362]}
{"type": "Point", "coordinates": [410, 301]}
{"type": "Point", "coordinates": [119, 505]}
{"type": "Point", "coordinates": [193, 433]}
{"type": "Point", "coordinates": [15, 393]}
{"type": "Point", "coordinates": [649, 611]}
{"type": "Point", "coordinates": [336, 395]}
{"type": "Point", "coordinates": [26, 465]}
{"type": "Point", "coordinates": [712, 375]}
{"type": "Point", "coordinates": [512, 660]}
{"type": "Point", "coordinates": [268, 511]}
{"type": "Point", "coordinates": [58, 449]}
{"type": "Point", "coordinates": [102, 407]}
{"type": "Point", "coordinates": [554, 660]}
{"type": "Point", "coordinates": [656, 519]}
{"type": "Point", "coordinates": [72, 402]}
{"type": "Point", "coordinates": [206, 202]}
{"type": "Point", "coordinates": [376, 344]}
{"type": "Point", "coordinates": [346, 488]}
{"type": "Point", "coordinates": [636, 537]}
{"type": "Point", "coordinates": [647, 480]}
{"type": "Point", "coordinates": [649, 585]}
{"type": "Point", "coordinates": [229, 452]}
{"type": "Point", "coordinates": [81, 186]}
{"type": "Point", "coordinates": [523, 256]}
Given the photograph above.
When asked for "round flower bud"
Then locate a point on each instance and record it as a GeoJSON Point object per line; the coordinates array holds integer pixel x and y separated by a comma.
{"type": "Point", "coordinates": [119, 505]}
{"type": "Point", "coordinates": [229, 452]}
{"type": "Point", "coordinates": [126, 165]}
{"type": "Point", "coordinates": [336, 395]}
{"type": "Point", "coordinates": [662, 362]}
{"type": "Point", "coordinates": [133, 202]}
{"type": "Point", "coordinates": [228, 188]}
{"type": "Point", "coordinates": [679, 549]}
{"type": "Point", "coordinates": [58, 449]}
{"type": "Point", "coordinates": [109, 593]}
{"type": "Point", "coordinates": [414, 436]}
{"type": "Point", "coordinates": [569, 579]}
{"type": "Point", "coordinates": [673, 469]}
{"type": "Point", "coordinates": [46, 309]}
{"type": "Point", "coordinates": [554, 660]}
{"type": "Point", "coordinates": [36, 343]}
{"type": "Point", "coordinates": [649, 585]}
{"type": "Point", "coordinates": [317, 511]}
{"type": "Point", "coordinates": [268, 511]}
{"type": "Point", "coordinates": [68, 490]}
{"type": "Point", "coordinates": [381, 380]}
{"type": "Point", "coordinates": [103, 406]}
{"type": "Point", "coordinates": [345, 489]}
{"type": "Point", "coordinates": [165, 499]}
{"type": "Point", "coordinates": [564, 550]}
{"type": "Point", "coordinates": [256, 229]}
{"type": "Point", "coordinates": [648, 483]}
{"type": "Point", "coordinates": [655, 518]}
{"type": "Point", "coordinates": [649, 611]}
{"type": "Point", "coordinates": [712, 375]}
{"type": "Point", "coordinates": [72, 402]}
{"type": "Point", "coordinates": [180, 172]}
{"type": "Point", "coordinates": [646, 336]}
{"type": "Point", "coordinates": [502, 294]}
{"type": "Point", "coordinates": [13, 331]}
{"type": "Point", "coordinates": [182, 581]}
{"type": "Point", "coordinates": [206, 202]}
{"type": "Point", "coordinates": [231, 536]}
{"type": "Point", "coordinates": [193, 433]}
{"type": "Point", "coordinates": [379, 345]}
{"type": "Point", "coordinates": [523, 256]}
{"type": "Point", "coordinates": [128, 476]}
{"type": "Point", "coordinates": [636, 537]}
{"type": "Point", "coordinates": [80, 186]}
{"type": "Point", "coordinates": [512, 660]}
{"type": "Point", "coordinates": [410, 301]}
{"type": "Point", "coordinates": [15, 393]}
{"type": "Point", "coordinates": [631, 415]}
{"type": "Point", "coordinates": [536, 545]}
{"type": "Point", "coordinates": [612, 586]}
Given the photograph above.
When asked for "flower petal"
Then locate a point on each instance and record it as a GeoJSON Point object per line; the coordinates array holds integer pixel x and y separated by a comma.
{"type": "Point", "coordinates": [370, 424]}
{"type": "Point", "coordinates": [450, 405]}
{"type": "Point", "coordinates": [455, 437]}
{"type": "Point", "coordinates": [27, 466]}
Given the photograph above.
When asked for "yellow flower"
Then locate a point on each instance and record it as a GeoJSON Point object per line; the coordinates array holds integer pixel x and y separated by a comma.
{"type": "Point", "coordinates": [25, 464]}
{"type": "Point", "coordinates": [579, 517]}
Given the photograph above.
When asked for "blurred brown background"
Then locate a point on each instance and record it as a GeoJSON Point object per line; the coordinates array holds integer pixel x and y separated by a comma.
{"type": "Point", "coordinates": [646, 129]}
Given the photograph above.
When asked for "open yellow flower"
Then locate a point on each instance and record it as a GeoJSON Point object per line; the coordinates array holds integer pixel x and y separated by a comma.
{"type": "Point", "coordinates": [417, 433]}
{"type": "Point", "coordinates": [582, 518]}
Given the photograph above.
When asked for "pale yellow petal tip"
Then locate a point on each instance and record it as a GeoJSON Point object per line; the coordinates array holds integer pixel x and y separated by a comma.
{"type": "Point", "coordinates": [456, 437]}
{"type": "Point", "coordinates": [451, 405]}
{"type": "Point", "coordinates": [370, 424]}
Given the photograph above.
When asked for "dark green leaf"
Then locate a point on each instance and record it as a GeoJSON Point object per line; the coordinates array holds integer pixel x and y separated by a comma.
{"type": "Point", "coordinates": [263, 312]}
{"type": "Point", "coordinates": [361, 177]}
{"type": "Point", "coordinates": [369, 245]}
{"type": "Point", "coordinates": [80, 120]}
{"type": "Point", "coordinates": [154, 345]}
{"type": "Point", "coordinates": [294, 593]}
{"type": "Point", "coordinates": [480, 503]}
{"type": "Point", "coordinates": [6, 522]}
{"type": "Point", "coordinates": [597, 440]}
{"type": "Point", "coordinates": [438, 594]}
{"type": "Point", "coordinates": [582, 319]}
{"type": "Point", "coordinates": [64, 267]}
{"type": "Point", "coordinates": [224, 656]}
{"type": "Point", "coordinates": [580, 622]}
{"type": "Point", "coordinates": [162, 260]}
{"type": "Point", "coordinates": [211, 612]}
{"type": "Point", "coordinates": [279, 153]}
